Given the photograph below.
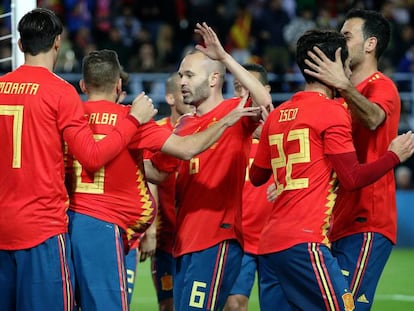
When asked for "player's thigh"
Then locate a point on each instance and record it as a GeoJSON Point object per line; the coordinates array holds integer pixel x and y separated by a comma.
{"type": "Point", "coordinates": [311, 278]}
{"type": "Point", "coordinates": [362, 258]}
{"type": "Point", "coordinates": [245, 280]}
{"type": "Point", "coordinates": [131, 266]}
{"type": "Point", "coordinates": [162, 264]}
{"type": "Point", "coordinates": [205, 278]}
{"type": "Point", "coordinates": [8, 279]}
{"type": "Point", "coordinates": [44, 276]}
{"type": "Point", "coordinates": [271, 293]}
{"type": "Point", "coordinates": [99, 261]}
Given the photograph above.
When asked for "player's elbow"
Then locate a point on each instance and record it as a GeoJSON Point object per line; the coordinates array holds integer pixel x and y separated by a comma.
{"type": "Point", "coordinates": [259, 176]}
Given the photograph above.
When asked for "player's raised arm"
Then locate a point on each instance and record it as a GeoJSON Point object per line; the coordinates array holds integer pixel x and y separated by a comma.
{"type": "Point", "coordinates": [215, 50]}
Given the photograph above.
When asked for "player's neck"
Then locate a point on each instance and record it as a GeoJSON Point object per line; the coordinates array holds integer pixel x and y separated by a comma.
{"type": "Point", "coordinates": [320, 88]}
{"type": "Point", "coordinates": [363, 71]}
{"type": "Point", "coordinates": [101, 96]}
{"type": "Point", "coordinates": [174, 116]}
{"type": "Point", "coordinates": [209, 104]}
{"type": "Point", "coordinates": [40, 60]}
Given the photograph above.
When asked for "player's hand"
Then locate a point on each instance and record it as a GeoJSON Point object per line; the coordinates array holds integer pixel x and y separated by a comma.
{"type": "Point", "coordinates": [403, 146]}
{"type": "Point", "coordinates": [213, 47]}
{"type": "Point", "coordinates": [330, 72]}
{"type": "Point", "coordinates": [121, 97]}
{"type": "Point", "coordinates": [271, 192]}
{"type": "Point", "coordinates": [142, 108]}
{"type": "Point", "coordinates": [147, 246]}
{"type": "Point", "coordinates": [240, 111]}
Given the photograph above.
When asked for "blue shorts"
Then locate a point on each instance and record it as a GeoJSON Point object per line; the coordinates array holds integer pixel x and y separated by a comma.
{"type": "Point", "coordinates": [245, 280]}
{"type": "Point", "coordinates": [162, 265]}
{"type": "Point", "coordinates": [203, 279]}
{"type": "Point", "coordinates": [362, 258]}
{"type": "Point", "coordinates": [99, 261]}
{"type": "Point", "coordinates": [38, 278]}
{"type": "Point", "coordinates": [309, 276]}
{"type": "Point", "coordinates": [131, 262]}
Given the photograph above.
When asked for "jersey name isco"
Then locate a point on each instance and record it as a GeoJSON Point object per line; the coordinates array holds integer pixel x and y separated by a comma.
{"type": "Point", "coordinates": [19, 88]}
{"type": "Point", "coordinates": [103, 118]}
{"type": "Point", "coordinates": [287, 114]}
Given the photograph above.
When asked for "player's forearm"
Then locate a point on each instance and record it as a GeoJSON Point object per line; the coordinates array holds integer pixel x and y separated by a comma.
{"type": "Point", "coordinates": [186, 147]}
{"type": "Point", "coordinates": [92, 154]}
{"type": "Point", "coordinates": [352, 175]}
{"type": "Point", "coordinates": [152, 174]}
{"type": "Point", "coordinates": [259, 94]}
{"type": "Point", "coordinates": [368, 113]}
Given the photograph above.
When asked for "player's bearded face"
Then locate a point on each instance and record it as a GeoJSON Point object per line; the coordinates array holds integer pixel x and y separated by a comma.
{"type": "Point", "coordinates": [198, 93]}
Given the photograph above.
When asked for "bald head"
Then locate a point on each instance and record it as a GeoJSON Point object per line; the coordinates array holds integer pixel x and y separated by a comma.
{"type": "Point", "coordinates": [201, 78]}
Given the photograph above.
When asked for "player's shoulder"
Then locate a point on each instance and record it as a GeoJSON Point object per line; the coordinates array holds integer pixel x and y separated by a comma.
{"type": "Point", "coordinates": [380, 79]}
{"type": "Point", "coordinates": [163, 121]}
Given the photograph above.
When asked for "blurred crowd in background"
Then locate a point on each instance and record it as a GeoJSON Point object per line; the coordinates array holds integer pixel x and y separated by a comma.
{"type": "Point", "coordinates": [151, 36]}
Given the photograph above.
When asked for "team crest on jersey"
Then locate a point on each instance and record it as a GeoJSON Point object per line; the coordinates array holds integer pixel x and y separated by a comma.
{"type": "Point", "coordinates": [166, 282]}
{"type": "Point", "coordinates": [348, 302]}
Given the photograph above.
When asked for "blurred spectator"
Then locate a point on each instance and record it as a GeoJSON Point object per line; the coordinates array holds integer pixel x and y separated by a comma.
{"type": "Point", "coordinates": [102, 21]}
{"type": "Point", "coordinates": [239, 37]}
{"type": "Point", "coordinates": [128, 25]}
{"type": "Point", "coordinates": [78, 14]}
{"type": "Point", "coordinates": [403, 178]}
{"type": "Point", "coordinates": [144, 60]}
{"type": "Point", "coordinates": [268, 29]}
{"type": "Point", "coordinates": [82, 40]}
{"type": "Point", "coordinates": [403, 44]}
{"type": "Point", "coordinates": [167, 53]}
{"type": "Point", "coordinates": [114, 42]}
{"type": "Point", "coordinates": [298, 26]}
{"type": "Point", "coordinates": [66, 61]}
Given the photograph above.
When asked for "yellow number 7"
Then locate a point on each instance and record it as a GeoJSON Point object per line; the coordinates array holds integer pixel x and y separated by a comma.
{"type": "Point", "coordinates": [302, 156]}
{"type": "Point", "coordinates": [17, 113]}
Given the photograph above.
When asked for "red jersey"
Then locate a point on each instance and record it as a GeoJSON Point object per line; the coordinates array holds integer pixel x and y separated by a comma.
{"type": "Point", "coordinates": [118, 192]}
{"type": "Point", "coordinates": [372, 208]}
{"type": "Point", "coordinates": [38, 110]}
{"type": "Point", "coordinates": [294, 143]}
{"type": "Point", "coordinates": [209, 186]}
{"type": "Point", "coordinates": [166, 205]}
{"type": "Point", "coordinates": [256, 208]}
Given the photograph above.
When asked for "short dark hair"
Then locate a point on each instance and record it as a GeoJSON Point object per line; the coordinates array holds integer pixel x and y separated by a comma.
{"type": "Point", "coordinates": [260, 70]}
{"type": "Point", "coordinates": [326, 40]}
{"type": "Point", "coordinates": [38, 30]}
{"type": "Point", "coordinates": [101, 70]}
{"type": "Point", "coordinates": [171, 85]}
{"type": "Point", "coordinates": [375, 25]}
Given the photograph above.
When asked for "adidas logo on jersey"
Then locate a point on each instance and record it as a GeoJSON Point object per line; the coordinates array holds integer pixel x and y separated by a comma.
{"type": "Point", "coordinates": [363, 299]}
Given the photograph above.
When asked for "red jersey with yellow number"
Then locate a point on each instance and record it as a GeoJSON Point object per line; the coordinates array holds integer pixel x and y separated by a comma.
{"type": "Point", "coordinates": [118, 192]}
{"type": "Point", "coordinates": [38, 110]}
{"type": "Point", "coordinates": [372, 208]}
{"type": "Point", "coordinates": [166, 205]}
{"type": "Point", "coordinates": [209, 186]}
{"type": "Point", "coordinates": [256, 208]}
{"type": "Point", "coordinates": [294, 143]}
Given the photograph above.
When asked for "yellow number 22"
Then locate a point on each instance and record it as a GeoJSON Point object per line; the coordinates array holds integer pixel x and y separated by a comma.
{"type": "Point", "coordinates": [302, 156]}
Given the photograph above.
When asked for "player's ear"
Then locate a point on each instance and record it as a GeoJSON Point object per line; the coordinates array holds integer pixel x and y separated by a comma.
{"type": "Point", "coordinates": [119, 86]}
{"type": "Point", "coordinates": [214, 78]}
{"type": "Point", "coordinates": [169, 98]}
{"type": "Point", "coordinates": [58, 42]}
{"type": "Point", "coordinates": [83, 86]}
{"type": "Point", "coordinates": [19, 43]}
{"type": "Point", "coordinates": [371, 44]}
